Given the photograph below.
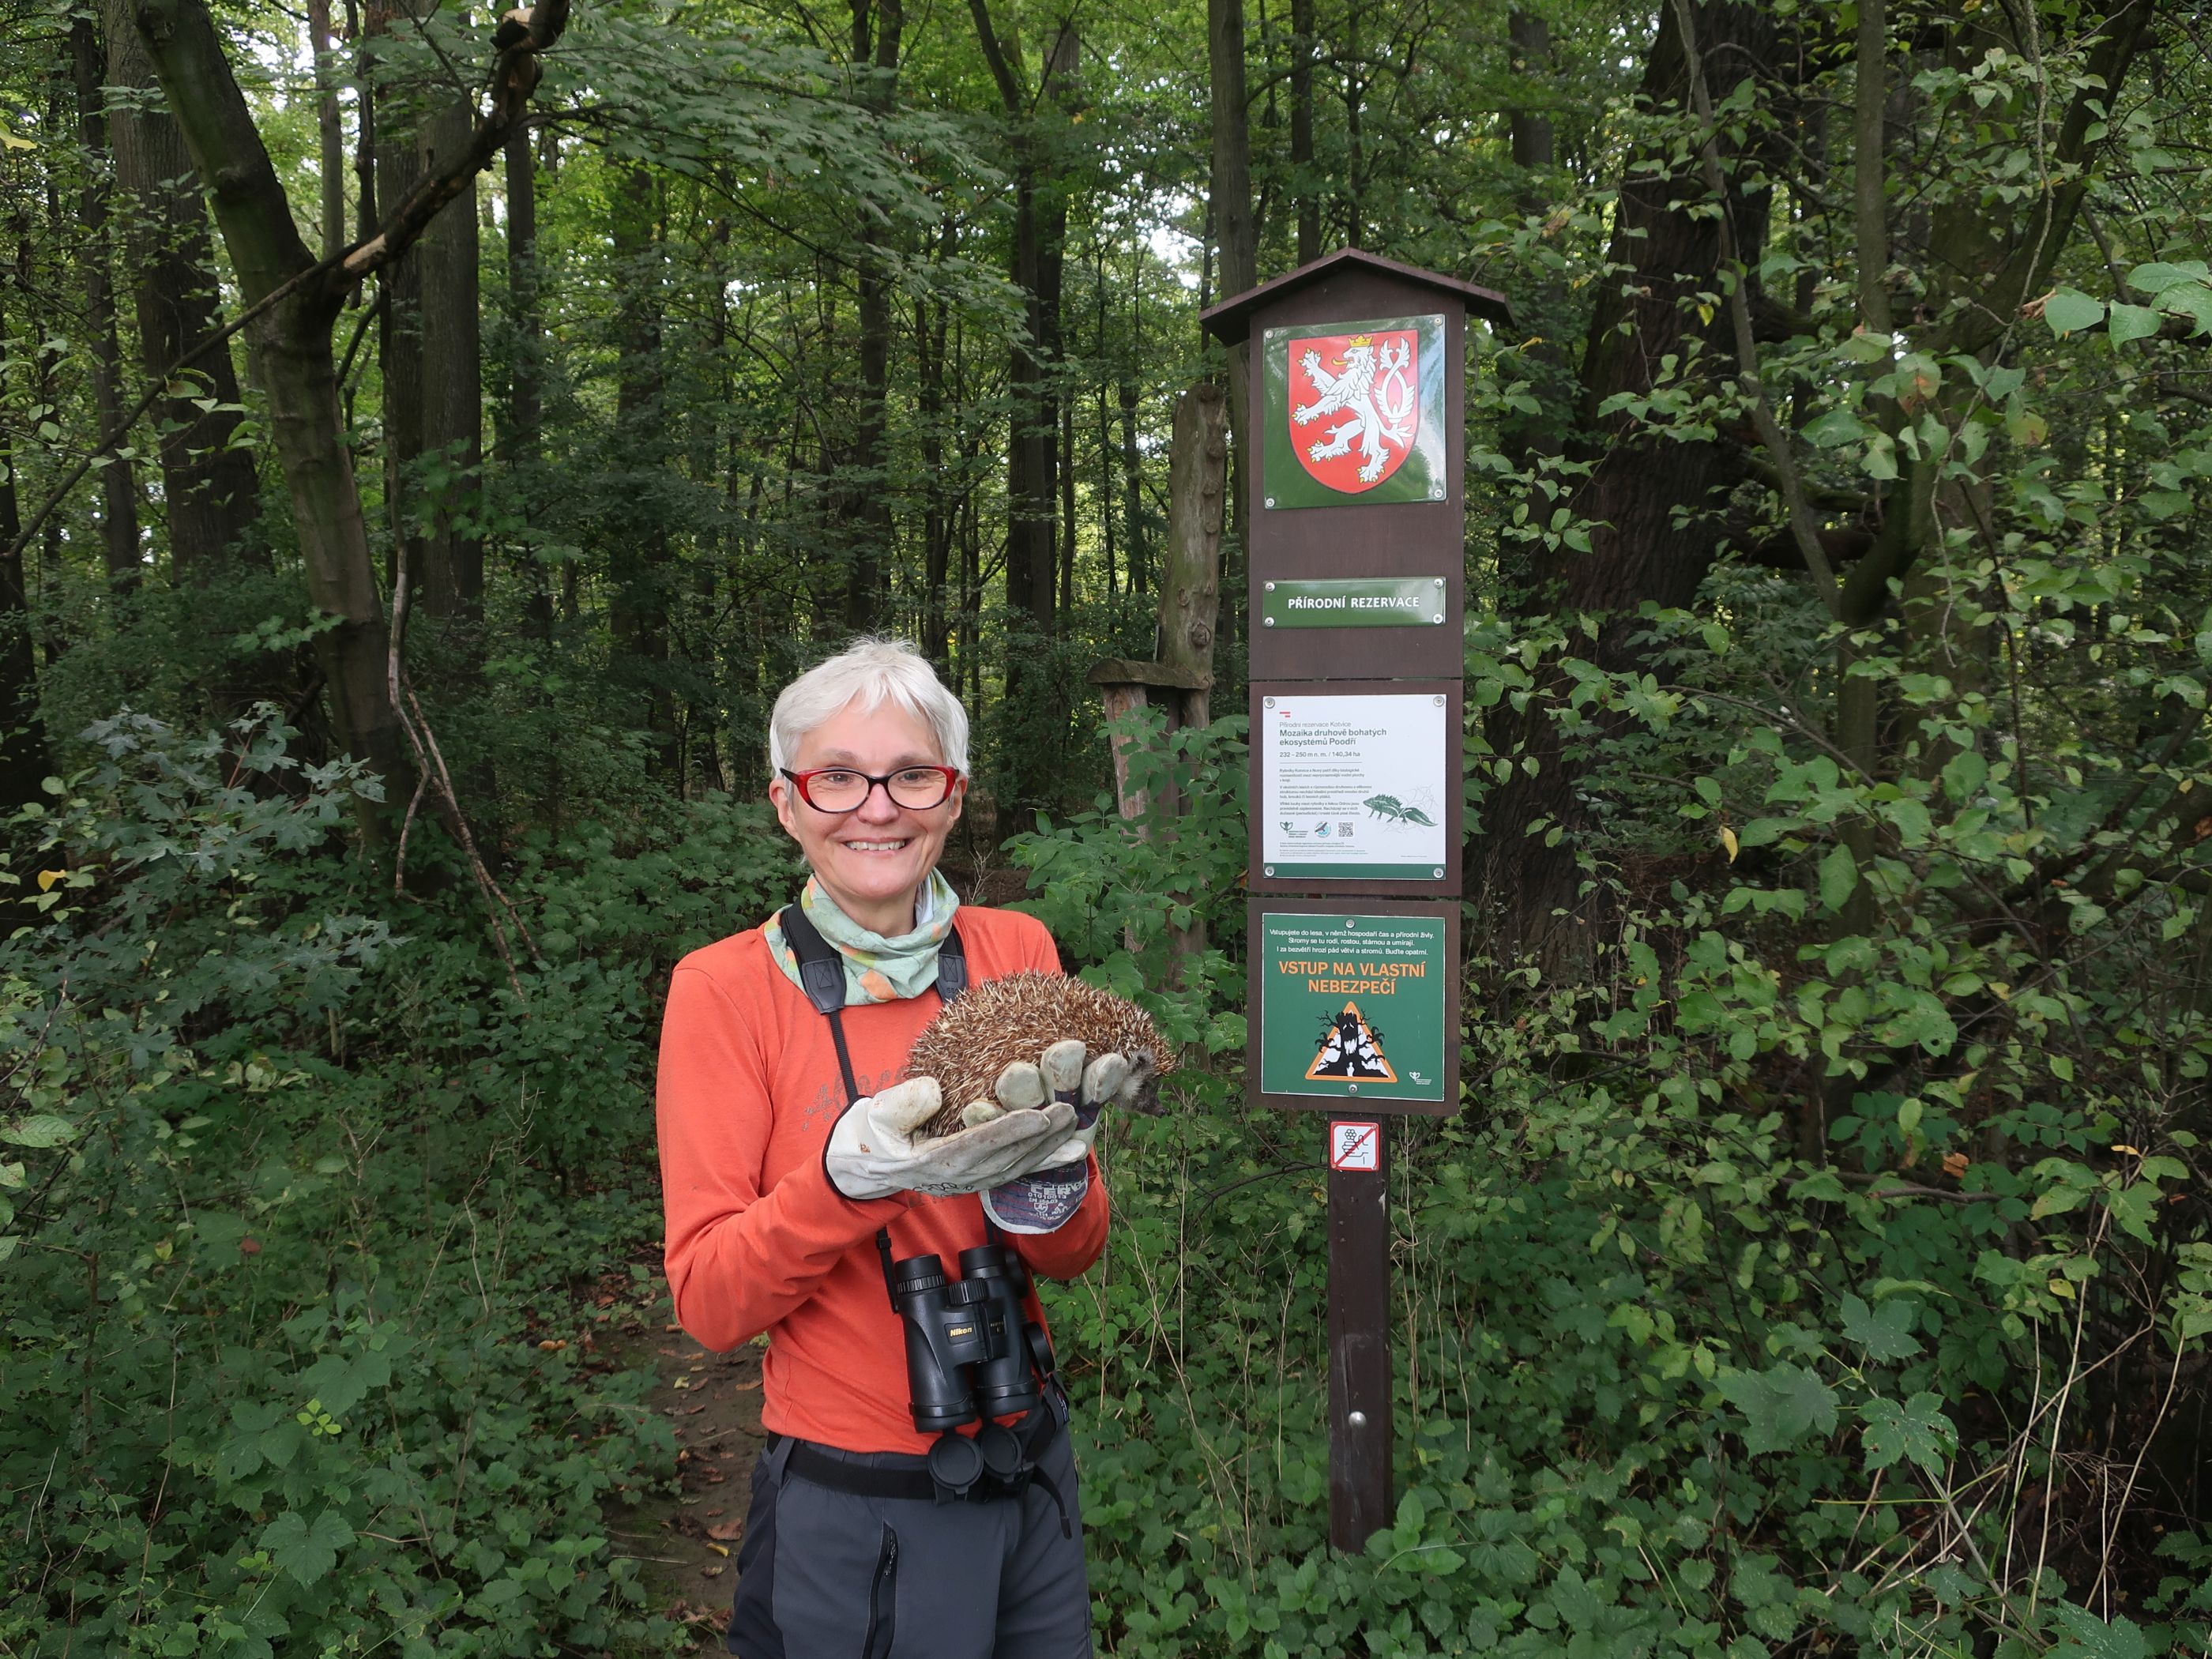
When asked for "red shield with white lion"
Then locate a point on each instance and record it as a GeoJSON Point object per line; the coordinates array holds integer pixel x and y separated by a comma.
{"type": "Point", "coordinates": [1354, 405]}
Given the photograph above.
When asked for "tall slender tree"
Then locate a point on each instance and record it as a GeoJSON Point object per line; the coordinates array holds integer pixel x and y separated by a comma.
{"type": "Point", "coordinates": [118, 487]}
{"type": "Point", "coordinates": [296, 300]}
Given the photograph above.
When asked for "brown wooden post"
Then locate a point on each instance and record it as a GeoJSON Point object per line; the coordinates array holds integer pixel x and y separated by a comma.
{"type": "Point", "coordinates": [1359, 1370]}
{"type": "Point", "coordinates": [1181, 682]}
{"type": "Point", "coordinates": [1356, 517]}
{"type": "Point", "coordinates": [1190, 579]}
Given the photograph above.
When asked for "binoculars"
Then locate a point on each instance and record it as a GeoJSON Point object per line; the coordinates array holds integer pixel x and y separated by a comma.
{"type": "Point", "coordinates": [967, 1339]}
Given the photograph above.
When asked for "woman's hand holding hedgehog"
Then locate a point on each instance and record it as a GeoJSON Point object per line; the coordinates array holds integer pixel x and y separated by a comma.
{"type": "Point", "coordinates": [1040, 1200]}
{"type": "Point", "coordinates": [881, 1144]}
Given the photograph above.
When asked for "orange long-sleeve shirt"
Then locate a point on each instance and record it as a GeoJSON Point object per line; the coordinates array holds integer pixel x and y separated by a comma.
{"type": "Point", "coordinates": [757, 1238]}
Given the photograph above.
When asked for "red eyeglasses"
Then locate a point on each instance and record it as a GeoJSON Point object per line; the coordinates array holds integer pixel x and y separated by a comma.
{"type": "Point", "coordinates": [844, 789]}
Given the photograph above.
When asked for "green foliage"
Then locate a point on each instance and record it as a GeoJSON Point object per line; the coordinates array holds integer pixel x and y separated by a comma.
{"type": "Point", "coordinates": [269, 1387]}
{"type": "Point", "coordinates": [1668, 1380]}
{"type": "Point", "coordinates": [1128, 896]}
{"type": "Point", "coordinates": [1821, 1262]}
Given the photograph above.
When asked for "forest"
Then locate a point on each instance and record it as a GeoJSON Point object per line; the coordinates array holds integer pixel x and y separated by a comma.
{"type": "Point", "coordinates": [429, 439]}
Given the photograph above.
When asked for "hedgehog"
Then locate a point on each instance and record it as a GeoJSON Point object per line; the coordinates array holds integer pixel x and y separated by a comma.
{"type": "Point", "coordinates": [1015, 1019]}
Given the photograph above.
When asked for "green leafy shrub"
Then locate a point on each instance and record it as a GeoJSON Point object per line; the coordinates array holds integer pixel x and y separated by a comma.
{"type": "Point", "coordinates": [269, 1385]}
{"type": "Point", "coordinates": [1747, 1302]}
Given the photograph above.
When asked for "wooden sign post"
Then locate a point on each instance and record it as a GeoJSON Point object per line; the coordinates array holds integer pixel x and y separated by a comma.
{"type": "Point", "coordinates": [1357, 568]}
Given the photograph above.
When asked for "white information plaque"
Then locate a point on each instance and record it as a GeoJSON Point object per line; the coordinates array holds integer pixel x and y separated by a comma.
{"type": "Point", "coordinates": [1354, 787]}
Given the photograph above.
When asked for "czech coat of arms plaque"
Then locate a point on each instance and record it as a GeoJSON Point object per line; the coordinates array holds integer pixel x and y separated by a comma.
{"type": "Point", "coordinates": [1355, 412]}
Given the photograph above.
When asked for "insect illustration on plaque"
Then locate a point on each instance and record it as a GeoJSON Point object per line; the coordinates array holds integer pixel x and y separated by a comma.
{"type": "Point", "coordinates": [1391, 808]}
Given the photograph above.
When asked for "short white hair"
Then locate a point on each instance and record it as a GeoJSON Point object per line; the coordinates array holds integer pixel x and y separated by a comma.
{"type": "Point", "coordinates": [867, 674]}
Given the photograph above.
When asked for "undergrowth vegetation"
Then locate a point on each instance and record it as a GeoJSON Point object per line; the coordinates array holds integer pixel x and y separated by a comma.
{"type": "Point", "coordinates": [1825, 1272]}
{"type": "Point", "coordinates": [297, 1193]}
{"type": "Point", "coordinates": [1780, 1285]}
{"type": "Point", "coordinates": [1818, 1272]}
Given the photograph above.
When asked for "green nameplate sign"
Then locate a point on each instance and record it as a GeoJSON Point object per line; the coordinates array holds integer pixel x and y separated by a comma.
{"type": "Point", "coordinates": [1353, 1007]}
{"type": "Point", "coordinates": [1355, 601]}
{"type": "Point", "coordinates": [1354, 412]}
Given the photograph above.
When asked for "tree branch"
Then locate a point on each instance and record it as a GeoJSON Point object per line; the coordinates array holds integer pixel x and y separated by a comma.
{"type": "Point", "coordinates": [1002, 72]}
{"type": "Point", "coordinates": [523, 34]}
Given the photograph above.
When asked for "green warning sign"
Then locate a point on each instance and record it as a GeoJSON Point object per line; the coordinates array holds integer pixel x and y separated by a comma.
{"type": "Point", "coordinates": [1353, 1007]}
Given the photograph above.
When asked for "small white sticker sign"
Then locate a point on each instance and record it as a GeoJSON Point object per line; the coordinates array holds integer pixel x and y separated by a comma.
{"type": "Point", "coordinates": [1355, 1146]}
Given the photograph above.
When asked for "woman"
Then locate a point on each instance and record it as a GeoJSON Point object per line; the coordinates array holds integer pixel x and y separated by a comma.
{"type": "Point", "coordinates": [795, 1176]}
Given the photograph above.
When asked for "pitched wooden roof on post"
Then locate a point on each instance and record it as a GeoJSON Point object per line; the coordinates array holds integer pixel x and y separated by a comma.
{"type": "Point", "coordinates": [1231, 321]}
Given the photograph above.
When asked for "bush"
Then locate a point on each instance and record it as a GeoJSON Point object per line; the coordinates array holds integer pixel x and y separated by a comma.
{"type": "Point", "coordinates": [267, 1291]}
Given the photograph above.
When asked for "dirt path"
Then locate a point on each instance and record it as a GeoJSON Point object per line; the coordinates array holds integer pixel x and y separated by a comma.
{"type": "Point", "coordinates": [686, 1543]}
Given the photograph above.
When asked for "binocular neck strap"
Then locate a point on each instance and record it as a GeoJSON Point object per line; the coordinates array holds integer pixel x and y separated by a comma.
{"type": "Point", "coordinates": [883, 1253]}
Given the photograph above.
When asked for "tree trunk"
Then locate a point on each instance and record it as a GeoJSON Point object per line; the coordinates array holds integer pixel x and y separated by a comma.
{"type": "Point", "coordinates": [1531, 129]}
{"type": "Point", "coordinates": [1033, 700]}
{"type": "Point", "coordinates": [1232, 182]}
{"type": "Point", "coordinates": [118, 490]}
{"type": "Point", "coordinates": [23, 759]}
{"type": "Point", "coordinates": [870, 514]}
{"type": "Point", "coordinates": [209, 487]}
{"type": "Point", "coordinates": [330, 133]}
{"type": "Point", "coordinates": [639, 557]}
{"type": "Point", "coordinates": [1133, 487]}
{"type": "Point", "coordinates": [1355, 102]}
{"type": "Point", "coordinates": [399, 325]}
{"type": "Point", "coordinates": [1306, 181]}
{"type": "Point", "coordinates": [1039, 228]}
{"type": "Point", "coordinates": [432, 357]}
{"type": "Point", "coordinates": [932, 320]}
{"type": "Point", "coordinates": [292, 345]}
{"type": "Point", "coordinates": [520, 436]}
{"type": "Point", "coordinates": [1650, 502]}
{"type": "Point", "coordinates": [1190, 579]}
{"type": "Point", "coordinates": [451, 364]}
{"type": "Point", "coordinates": [1066, 504]}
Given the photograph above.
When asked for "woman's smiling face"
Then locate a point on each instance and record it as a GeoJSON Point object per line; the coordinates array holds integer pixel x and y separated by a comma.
{"type": "Point", "coordinates": [873, 860]}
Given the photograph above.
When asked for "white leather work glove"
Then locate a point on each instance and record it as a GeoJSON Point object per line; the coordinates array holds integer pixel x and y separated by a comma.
{"type": "Point", "coordinates": [1041, 1198]}
{"type": "Point", "coordinates": [875, 1150]}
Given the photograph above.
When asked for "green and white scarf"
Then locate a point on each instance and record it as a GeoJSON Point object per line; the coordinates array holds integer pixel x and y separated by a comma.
{"type": "Point", "coordinates": [877, 969]}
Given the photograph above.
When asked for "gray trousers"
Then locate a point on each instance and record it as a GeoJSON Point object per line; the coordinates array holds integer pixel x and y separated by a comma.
{"type": "Point", "coordinates": [834, 1574]}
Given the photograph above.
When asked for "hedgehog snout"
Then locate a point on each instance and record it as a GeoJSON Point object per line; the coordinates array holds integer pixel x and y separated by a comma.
{"type": "Point", "coordinates": [1141, 1092]}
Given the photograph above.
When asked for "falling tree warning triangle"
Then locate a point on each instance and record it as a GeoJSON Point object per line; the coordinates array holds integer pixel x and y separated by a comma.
{"type": "Point", "coordinates": [1348, 1051]}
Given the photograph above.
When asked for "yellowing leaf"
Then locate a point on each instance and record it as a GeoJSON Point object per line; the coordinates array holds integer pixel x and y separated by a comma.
{"type": "Point", "coordinates": [1729, 841]}
{"type": "Point", "coordinates": [9, 141]}
{"type": "Point", "coordinates": [2129, 1150]}
{"type": "Point", "coordinates": [48, 877]}
{"type": "Point", "coordinates": [720, 1549]}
